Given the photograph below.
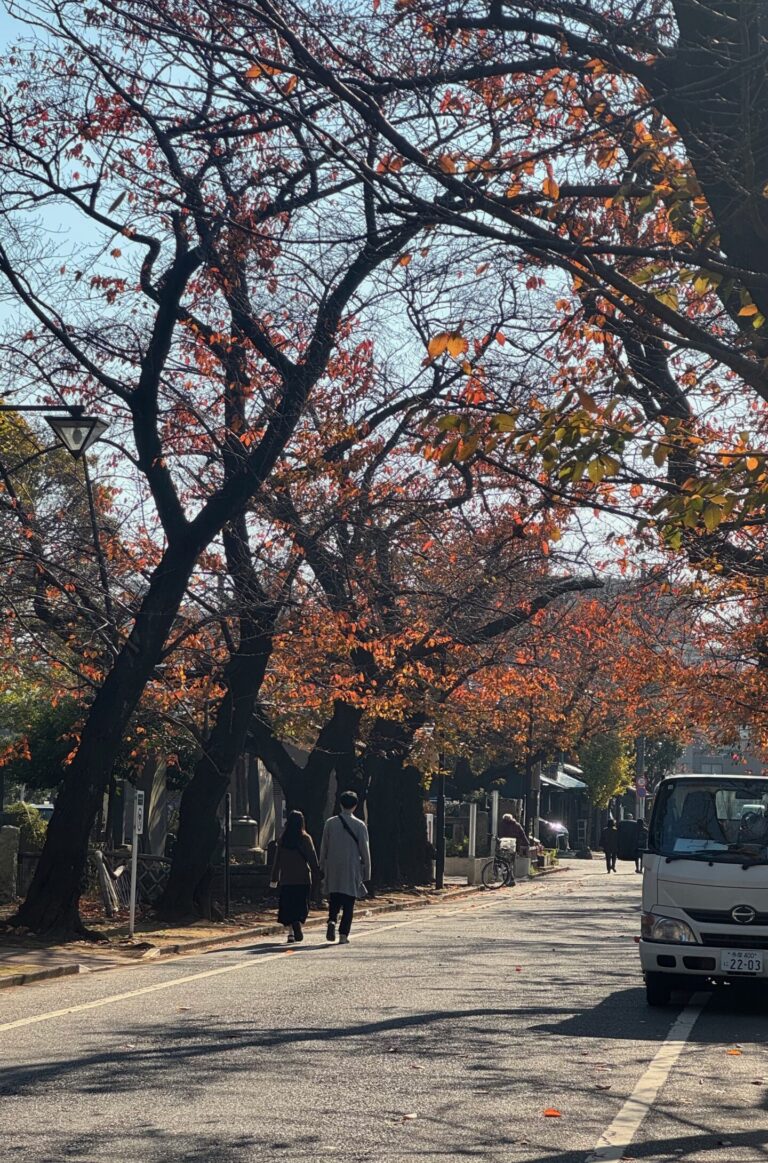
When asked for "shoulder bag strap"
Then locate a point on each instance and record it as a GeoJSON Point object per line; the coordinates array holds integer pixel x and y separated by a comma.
{"type": "Point", "coordinates": [349, 832]}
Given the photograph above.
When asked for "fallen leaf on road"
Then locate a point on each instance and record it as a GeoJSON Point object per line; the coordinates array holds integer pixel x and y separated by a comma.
{"type": "Point", "coordinates": [518, 969]}
{"type": "Point", "coordinates": [603, 1086]}
{"type": "Point", "coordinates": [409, 1117]}
{"type": "Point", "coordinates": [416, 1066]}
{"type": "Point", "coordinates": [552, 1113]}
{"type": "Point", "coordinates": [758, 1081]}
{"type": "Point", "coordinates": [735, 1052]}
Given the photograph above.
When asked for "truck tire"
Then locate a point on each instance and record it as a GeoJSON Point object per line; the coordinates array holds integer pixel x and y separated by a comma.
{"type": "Point", "coordinates": [658, 989]}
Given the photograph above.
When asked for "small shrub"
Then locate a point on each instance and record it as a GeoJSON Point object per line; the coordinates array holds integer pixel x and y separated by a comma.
{"type": "Point", "coordinates": [32, 825]}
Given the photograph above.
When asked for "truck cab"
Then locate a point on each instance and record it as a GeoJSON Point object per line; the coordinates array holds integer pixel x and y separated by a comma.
{"type": "Point", "coordinates": [705, 884]}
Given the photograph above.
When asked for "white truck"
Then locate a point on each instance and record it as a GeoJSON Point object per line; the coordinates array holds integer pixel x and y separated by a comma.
{"type": "Point", "coordinates": [705, 884]}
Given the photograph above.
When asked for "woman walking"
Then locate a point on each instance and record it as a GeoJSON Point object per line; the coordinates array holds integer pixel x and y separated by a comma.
{"type": "Point", "coordinates": [295, 869]}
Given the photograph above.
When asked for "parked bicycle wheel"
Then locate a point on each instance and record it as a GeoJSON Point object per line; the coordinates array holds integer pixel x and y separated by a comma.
{"type": "Point", "coordinates": [495, 873]}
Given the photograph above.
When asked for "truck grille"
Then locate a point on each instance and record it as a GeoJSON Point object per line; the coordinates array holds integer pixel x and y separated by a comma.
{"type": "Point", "coordinates": [721, 917]}
{"type": "Point", "coordinates": [735, 940]}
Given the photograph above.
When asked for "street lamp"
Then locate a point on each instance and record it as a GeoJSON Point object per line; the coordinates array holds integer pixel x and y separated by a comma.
{"type": "Point", "coordinates": [75, 431]}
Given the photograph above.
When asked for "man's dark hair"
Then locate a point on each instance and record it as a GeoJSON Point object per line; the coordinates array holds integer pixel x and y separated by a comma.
{"type": "Point", "coordinates": [348, 799]}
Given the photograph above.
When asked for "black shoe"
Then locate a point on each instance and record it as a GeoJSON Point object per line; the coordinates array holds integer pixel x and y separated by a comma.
{"type": "Point", "coordinates": [330, 932]}
{"type": "Point", "coordinates": [297, 933]}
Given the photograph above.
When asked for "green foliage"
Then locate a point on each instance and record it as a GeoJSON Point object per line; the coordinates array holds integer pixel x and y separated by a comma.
{"type": "Point", "coordinates": [33, 826]}
{"type": "Point", "coordinates": [48, 729]}
{"type": "Point", "coordinates": [608, 767]}
{"type": "Point", "coordinates": [661, 754]}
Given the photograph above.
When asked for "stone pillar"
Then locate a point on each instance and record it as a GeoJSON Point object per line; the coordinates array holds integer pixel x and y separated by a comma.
{"type": "Point", "coordinates": [267, 813]}
{"type": "Point", "coordinates": [244, 837]}
{"type": "Point", "coordinates": [9, 862]}
{"type": "Point", "coordinates": [472, 834]}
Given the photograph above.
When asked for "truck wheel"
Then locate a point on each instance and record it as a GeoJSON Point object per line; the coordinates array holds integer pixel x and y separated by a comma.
{"type": "Point", "coordinates": [658, 991]}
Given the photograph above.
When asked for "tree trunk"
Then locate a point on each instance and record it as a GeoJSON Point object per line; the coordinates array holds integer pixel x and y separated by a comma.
{"type": "Point", "coordinates": [51, 905]}
{"type": "Point", "coordinates": [199, 828]}
{"type": "Point", "coordinates": [306, 788]}
{"type": "Point", "coordinates": [396, 822]}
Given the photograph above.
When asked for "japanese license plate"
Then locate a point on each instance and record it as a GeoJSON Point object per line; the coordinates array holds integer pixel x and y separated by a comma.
{"type": "Point", "coordinates": [740, 961]}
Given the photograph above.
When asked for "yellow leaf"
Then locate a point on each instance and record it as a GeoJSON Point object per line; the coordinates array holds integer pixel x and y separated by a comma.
{"type": "Point", "coordinates": [551, 189]}
{"type": "Point", "coordinates": [712, 516]}
{"type": "Point", "coordinates": [457, 345]}
{"type": "Point", "coordinates": [750, 309]}
{"type": "Point", "coordinates": [752, 463]}
{"type": "Point", "coordinates": [438, 344]}
{"type": "Point", "coordinates": [446, 163]}
{"type": "Point", "coordinates": [668, 298]}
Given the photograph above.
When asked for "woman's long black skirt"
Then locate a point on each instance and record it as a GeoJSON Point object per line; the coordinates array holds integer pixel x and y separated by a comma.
{"type": "Point", "coordinates": [294, 904]}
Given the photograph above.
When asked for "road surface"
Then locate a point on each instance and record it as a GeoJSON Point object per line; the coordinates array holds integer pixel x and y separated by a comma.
{"type": "Point", "coordinates": [435, 1035]}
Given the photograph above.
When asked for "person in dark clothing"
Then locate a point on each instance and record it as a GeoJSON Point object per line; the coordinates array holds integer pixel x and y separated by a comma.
{"type": "Point", "coordinates": [642, 843]}
{"type": "Point", "coordinates": [609, 842]}
{"type": "Point", "coordinates": [512, 829]}
{"type": "Point", "coordinates": [295, 869]}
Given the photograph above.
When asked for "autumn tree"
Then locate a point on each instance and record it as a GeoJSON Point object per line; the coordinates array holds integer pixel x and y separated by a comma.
{"type": "Point", "coordinates": [197, 300]}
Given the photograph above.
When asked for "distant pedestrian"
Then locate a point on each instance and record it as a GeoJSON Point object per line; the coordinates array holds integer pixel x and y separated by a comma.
{"type": "Point", "coordinates": [642, 844]}
{"type": "Point", "coordinates": [510, 828]}
{"type": "Point", "coordinates": [295, 868]}
{"type": "Point", "coordinates": [345, 860]}
{"type": "Point", "coordinates": [609, 842]}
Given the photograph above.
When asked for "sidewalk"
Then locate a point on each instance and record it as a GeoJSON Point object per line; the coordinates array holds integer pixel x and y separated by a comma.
{"type": "Point", "coordinates": [24, 960]}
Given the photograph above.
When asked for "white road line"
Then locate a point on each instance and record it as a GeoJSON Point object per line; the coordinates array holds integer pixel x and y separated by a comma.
{"type": "Point", "coordinates": [612, 1145]}
{"type": "Point", "coordinates": [251, 963]}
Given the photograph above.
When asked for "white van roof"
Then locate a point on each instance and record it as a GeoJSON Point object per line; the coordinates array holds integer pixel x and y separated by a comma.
{"type": "Point", "coordinates": [720, 775]}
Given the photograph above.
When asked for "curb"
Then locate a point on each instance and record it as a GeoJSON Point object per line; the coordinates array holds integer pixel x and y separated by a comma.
{"type": "Point", "coordinates": [38, 975]}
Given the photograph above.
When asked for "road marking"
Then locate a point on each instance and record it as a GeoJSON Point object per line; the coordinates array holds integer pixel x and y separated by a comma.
{"type": "Point", "coordinates": [239, 965]}
{"type": "Point", "coordinates": [612, 1145]}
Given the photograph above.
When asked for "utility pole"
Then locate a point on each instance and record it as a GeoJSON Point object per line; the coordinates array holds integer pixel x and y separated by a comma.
{"type": "Point", "coordinates": [440, 826]}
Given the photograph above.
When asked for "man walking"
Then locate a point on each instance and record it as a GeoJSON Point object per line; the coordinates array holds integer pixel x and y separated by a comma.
{"type": "Point", "coordinates": [609, 842]}
{"type": "Point", "coordinates": [345, 861]}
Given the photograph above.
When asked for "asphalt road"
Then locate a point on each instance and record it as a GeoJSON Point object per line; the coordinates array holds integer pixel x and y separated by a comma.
{"type": "Point", "coordinates": [442, 1034]}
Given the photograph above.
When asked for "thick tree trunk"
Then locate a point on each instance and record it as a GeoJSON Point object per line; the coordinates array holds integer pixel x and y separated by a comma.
{"type": "Point", "coordinates": [395, 801]}
{"type": "Point", "coordinates": [199, 829]}
{"type": "Point", "coordinates": [306, 788]}
{"type": "Point", "coordinates": [51, 905]}
{"type": "Point", "coordinates": [397, 825]}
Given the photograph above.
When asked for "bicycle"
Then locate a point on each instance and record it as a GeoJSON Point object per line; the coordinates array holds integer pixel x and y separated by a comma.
{"type": "Point", "coordinates": [500, 870]}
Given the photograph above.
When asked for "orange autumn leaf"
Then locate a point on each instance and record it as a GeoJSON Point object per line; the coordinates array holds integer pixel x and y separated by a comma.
{"type": "Point", "coordinates": [552, 1113]}
{"type": "Point", "coordinates": [446, 163]}
{"type": "Point", "coordinates": [447, 341]}
{"type": "Point", "coordinates": [550, 187]}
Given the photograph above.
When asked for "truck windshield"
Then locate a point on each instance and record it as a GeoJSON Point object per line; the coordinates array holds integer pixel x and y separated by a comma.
{"type": "Point", "coordinates": [713, 820]}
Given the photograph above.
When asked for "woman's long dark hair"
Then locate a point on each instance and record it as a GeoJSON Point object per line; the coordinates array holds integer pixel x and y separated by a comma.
{"type": "Point", "coordinates": [294, 830]}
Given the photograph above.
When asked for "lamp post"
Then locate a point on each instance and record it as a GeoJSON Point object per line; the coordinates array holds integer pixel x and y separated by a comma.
{"type": "Point", "coordinates": [77, 432]}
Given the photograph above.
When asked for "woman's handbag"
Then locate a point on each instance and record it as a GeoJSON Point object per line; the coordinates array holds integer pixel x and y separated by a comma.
{"type": "Point", "coordinates": [362, 891]}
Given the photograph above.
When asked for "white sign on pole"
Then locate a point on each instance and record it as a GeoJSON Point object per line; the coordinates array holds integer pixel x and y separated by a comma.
{"type": "Point", "coordinates": [138, 828]}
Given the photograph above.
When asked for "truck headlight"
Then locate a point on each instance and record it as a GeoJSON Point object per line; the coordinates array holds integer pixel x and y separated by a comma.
{"type": "Point", "coordinates": [667, 929]}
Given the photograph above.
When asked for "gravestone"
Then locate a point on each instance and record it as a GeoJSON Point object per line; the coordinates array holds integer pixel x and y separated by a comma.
{"type": "Point", "coordinates": [9, 862]}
